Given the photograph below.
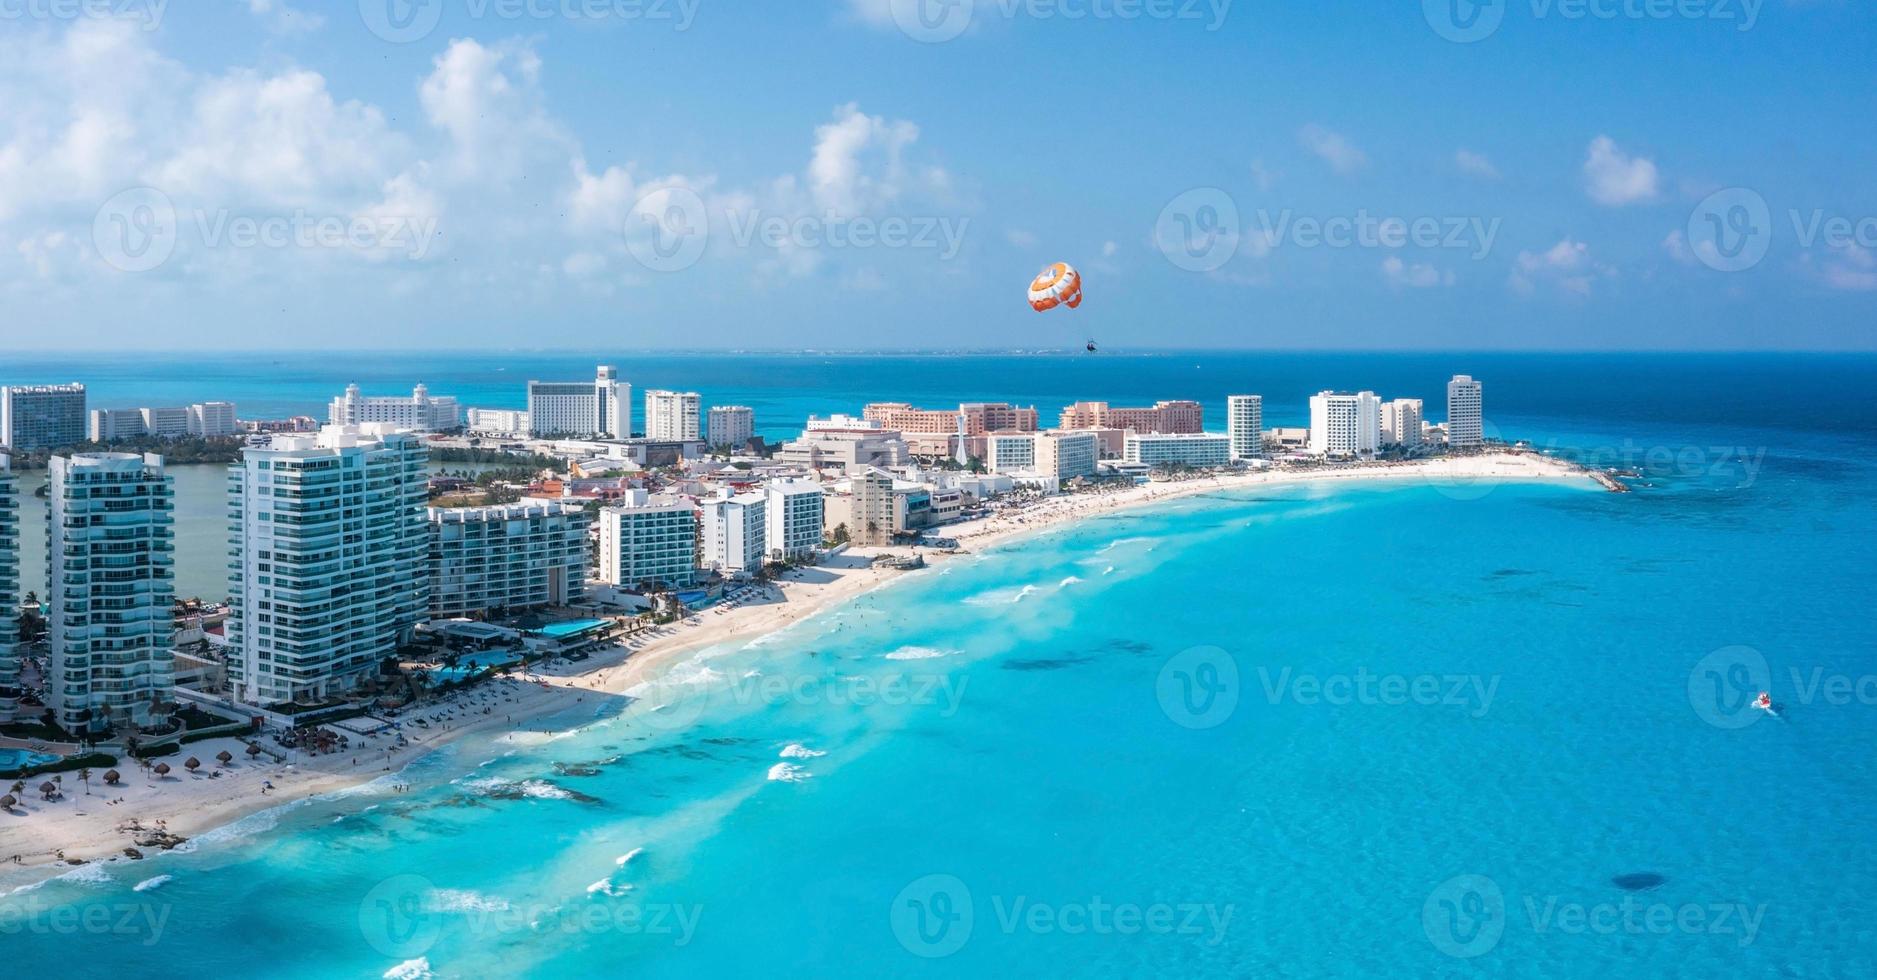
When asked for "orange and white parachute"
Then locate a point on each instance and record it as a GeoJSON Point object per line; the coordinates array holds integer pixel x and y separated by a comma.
{"type": "Point", "coordinates": [1058, 285]}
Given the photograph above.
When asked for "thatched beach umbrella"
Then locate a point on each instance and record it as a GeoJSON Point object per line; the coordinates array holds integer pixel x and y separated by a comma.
{"type": "Point", "coordinates": [253, 750]}
{"type": "Point", "coordinates": [224, 757]}
{"type": "Point", "coordinates": [46, 790]}
{"type": "Point", "coordinates": [162, 769]}
{"type": "Point", "coordinates": [111, 777]}
{"type": "Point", "coordinates": [8, 802]}
{"type": "Point", "coordinates": [193, 764]}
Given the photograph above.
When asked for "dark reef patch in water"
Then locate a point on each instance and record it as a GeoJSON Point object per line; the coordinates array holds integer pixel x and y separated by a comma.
{"type": "Point", "coordinates": [1044, 663]}
{"type": "Point", "coordinates": [1638, 881]}
{"type": "Point", "coordinates": [1129, 646]}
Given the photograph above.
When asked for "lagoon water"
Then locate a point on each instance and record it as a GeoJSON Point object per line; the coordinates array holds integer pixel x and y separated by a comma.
{"type": "Point", "coordinates": [1317, 731]}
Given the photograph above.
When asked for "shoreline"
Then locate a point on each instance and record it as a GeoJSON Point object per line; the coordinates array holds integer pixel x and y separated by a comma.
{"type": "Point", "coordinates": [92, 828]}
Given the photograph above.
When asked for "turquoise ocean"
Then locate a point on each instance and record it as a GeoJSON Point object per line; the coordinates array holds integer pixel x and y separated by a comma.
{"type": "Point", "coordinates": [1388, 729]}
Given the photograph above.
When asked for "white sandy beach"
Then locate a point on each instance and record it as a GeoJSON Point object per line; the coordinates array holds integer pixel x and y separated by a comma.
{"type": "Point", "coordinates": [81, 827]}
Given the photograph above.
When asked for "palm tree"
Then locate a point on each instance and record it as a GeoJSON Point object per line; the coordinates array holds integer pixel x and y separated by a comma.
{"type": "Point", "coordinates": [84, 776]}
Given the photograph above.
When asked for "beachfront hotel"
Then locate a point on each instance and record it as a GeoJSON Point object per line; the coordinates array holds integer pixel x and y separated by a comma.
{"type": "Point", "coordinates": [1199, 450]}
{"type": "Point", "coordinates": [1164, 417]}
{"type": "Point", "coordinates": [1401, 423]}
{"type": "Point", "coordinates": [329, 536]}
{"type": "Point", "coordinates": [41, 416]}
{"type": "Point", "coordinates": [420, 411]}
{"type": "Point", "coordinates": [1345, 424]}
{"type": "Point", "coordinates": [110, 565]}
{"type": "Point", "coordinates": [1010, 452]}
{"type": "Point", "coordinates": [9, 593]}
{"type": "Point", "coordinates": [648, 541]}
{"type": "Point", "coordinates": [1064, 455]}
{"type": "Point", "coordinates": [207, 419]}
{"type": "Point", "coordinates": [671, 415]}
{"type": "Point", "coordinates": [934, 432]}
{"type": "Point", "coordinates": [597, 409]}
{"type": "Point", "coordinates": [496, 421]}
{"type": "Point", "coordinates": [844, 442]}
{"type": "Point", "coordinates": [792, 525]}
{"type": "Point", "coordinates": [1244, 423]}
{"type": "Point", "coordinates": [1465, 403]}
{"type": "Point", "coordinates": [507, 557]}
{"type": "Point", "coordinates": [731, 425]}
{"type": "Point", "coordinates": [735, 531]}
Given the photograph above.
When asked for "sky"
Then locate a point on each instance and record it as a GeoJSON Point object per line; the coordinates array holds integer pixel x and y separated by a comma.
{"type": "Point", "coordinates": [891, 174]}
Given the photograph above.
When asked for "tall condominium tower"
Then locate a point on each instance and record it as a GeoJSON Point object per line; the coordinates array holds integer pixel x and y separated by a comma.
{"type": "Point", "coordinates": [329, 536]}
{"type": "Point", "coordinates": [9, 593]}
{"type": "Point", "coordinates": [671, 415]}
{"type": "Point", "coordinates": [110, 561]}
{"type": "Point", "coordinates": [1344, 424]}
{"type": "Point", "coordinates": [731, 425]}
{"type": "Point", "coordinates": [1465, 403]}
{"type": "Point", "coordinates": [1244, 422]}
{"type": "Point", "coordinates": [1401, 423]}
{"type": "Point", "coordinates": [42, 416]}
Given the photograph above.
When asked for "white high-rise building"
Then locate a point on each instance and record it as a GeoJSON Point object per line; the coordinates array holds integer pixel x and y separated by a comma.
{"type": "Point", "coordinates": [1010, 452]}
{"type": "Point", "coordinates": [735, 532]}
{"type": "Point", "coordinates": [110, 559]}
{"type": "Point", "coordinates": [1401, 423]}
{"type": "Point", "coordinates": [115, 424]}
{"type": "Point", "coordinates": [731, 425]}
{"type": "Point", "coordinates": [1344, 424]}
{"type": "Point", "coordinates": [509, 557]}
{"type": "Point", "coordinates": [211, 419]}
{"type": "Point", "coordinates": [1244, 423]}
{"type": "Point", "coordinates": [329, 536]}
{"type": "Point", "coordinates": [42, 416]}
{"type": "Point", "coordinates": [420, 411]}
{"type": "Point", "coordinates": [793, 523]}
{"type": "Point", "coordinates": [1064, 454]}
{"type": "Point", "coordinates": [648, 541]}
{"type": "Point", "coordinates": [671, 415]}
{"type": "Point", "coordinates": [597, 409]}
{"type": "Point", "coordinates": [1465, 405]}
{"type": "Point", "coordinates": [9, 593]}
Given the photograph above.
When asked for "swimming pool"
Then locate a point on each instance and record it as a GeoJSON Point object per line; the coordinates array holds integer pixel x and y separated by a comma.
{"type": "Point", "coordinates": [11, 759]}
{"type": "Point", "coordinates": [486, 661]}
{"type": "Point", "coordinates": [573, 627]}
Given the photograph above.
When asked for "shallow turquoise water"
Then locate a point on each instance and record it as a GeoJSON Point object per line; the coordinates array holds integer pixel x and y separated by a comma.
{"type": "Point", "coordinates": [1316, 731]}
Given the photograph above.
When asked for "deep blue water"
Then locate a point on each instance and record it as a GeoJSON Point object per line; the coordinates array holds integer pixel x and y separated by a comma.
{"type": "Point", "coordinates": [1386, 730]}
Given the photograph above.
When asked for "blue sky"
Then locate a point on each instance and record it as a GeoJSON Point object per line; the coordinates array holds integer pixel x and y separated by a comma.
{"type": "Point", "coordinates": [838, 173]}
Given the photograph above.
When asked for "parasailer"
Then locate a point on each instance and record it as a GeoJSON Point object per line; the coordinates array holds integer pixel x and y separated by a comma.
{"type": "Point", "coordinates": [1058, 285]}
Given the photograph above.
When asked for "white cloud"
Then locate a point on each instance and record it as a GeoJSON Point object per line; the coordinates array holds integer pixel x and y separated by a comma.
{"type": "Point", "coordinates": [1261, 177]}
{"type": "Point", "coordinates": [1335, 149]}
{"type": "Point", "coordinates": [858, 162]}
{"type": "Point", "coordinates": [1475, 164]}
{"type": "Point", "coordinates": [1415, 275]}
{"type": "Point", "coordinates": [1567, 265]}
{"type": "Point", "coordinates": [1852, 268]}
{"type": "Point", "coordinates": [1614, 178]}
{"type": "Point", "coordinates": [1676, 245]}
{"type": "Point", "coordinates": [1108, 249]}
{"type": "Point", "coordinates": [1020, 238]}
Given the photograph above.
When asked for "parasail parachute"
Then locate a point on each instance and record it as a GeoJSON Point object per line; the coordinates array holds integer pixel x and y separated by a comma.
{"type": "Point", "coordinates": [1058, 285]}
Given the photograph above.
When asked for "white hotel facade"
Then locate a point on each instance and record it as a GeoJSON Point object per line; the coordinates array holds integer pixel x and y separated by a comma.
{"type": "Point", "coordinates": [1401, 423]}
{"type": "Point", "coordinates": [110, 562]}
{"type": "Point", "coordinates": [648, 540]}
{"type": "Point", "coordinates": [419, 411]}
{"type": "Point", "coordinates": [1200, 450]}
{"type": "Point", "coordinates": [730, 425]}
{"type": "Point", "coordinates": [1344, 424]}
{"type": "Point", "coordinates": [1465, 405]}
{"type": "Point", "coordinates": [507, 557]}
{"type": "Point", "coordinates": [735, 532]}
{"type": "Point", "coordinates": [1244, 423]}
{"type": "Point", "coordinates": [597, 409]}
{"type": "Point", "coordinates": [329, 538]}
{"type": "Point", "coordinates": [792, 525]}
